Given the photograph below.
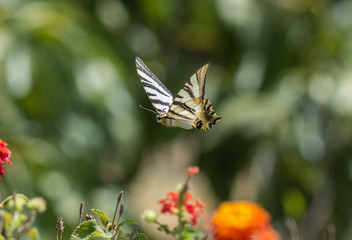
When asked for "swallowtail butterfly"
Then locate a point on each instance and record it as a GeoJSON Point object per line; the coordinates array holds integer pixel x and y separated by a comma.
{"type": "Point", "coordinates": [189, 109]}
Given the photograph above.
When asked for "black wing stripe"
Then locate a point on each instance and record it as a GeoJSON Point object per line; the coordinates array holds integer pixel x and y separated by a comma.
{"type": "Point", "coordinates": [151, 94]}
{"type": "Point", "coordinates": [157, 101]}
{"type": "Point", "coordinates": [180, 115]}
{"type": "Point", "coordinates": [188, 108]}
{"type": "Point", "coordinates": [145, 71]}
{"type": "Point", "coordinates": [184, 106]}
{"type": "Point", "coordinates": [145, 80]}
{"type": "Point", "coordinates": [148, 85]}
{"type": "Point", "coordinates": [189, 91]}
{"type": "Point", "coordinates": [176, 103]}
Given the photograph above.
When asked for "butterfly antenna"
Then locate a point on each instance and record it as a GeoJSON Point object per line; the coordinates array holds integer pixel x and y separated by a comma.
{"type": "Point", "coordinates": [148, 109]}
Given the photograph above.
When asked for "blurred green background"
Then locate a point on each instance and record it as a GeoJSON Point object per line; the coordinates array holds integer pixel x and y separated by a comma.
{"type": "Point", "coordinates": [280, 78]}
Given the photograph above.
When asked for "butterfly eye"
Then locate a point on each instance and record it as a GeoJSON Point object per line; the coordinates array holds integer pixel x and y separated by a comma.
{"type": "Point", "coordinates": [158, 118]}
{"type": "Point", "coordinates": [199, 124]}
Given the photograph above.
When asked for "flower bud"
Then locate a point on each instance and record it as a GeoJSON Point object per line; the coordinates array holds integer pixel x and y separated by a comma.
{"type": "Point", "coordinates": [37, 204]}
{"type": "Point", "coordinates": [150, 216]}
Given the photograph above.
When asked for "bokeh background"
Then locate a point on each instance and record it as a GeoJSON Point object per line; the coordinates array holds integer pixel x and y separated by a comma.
{"type": "Point", "coordinates": [280, 78]}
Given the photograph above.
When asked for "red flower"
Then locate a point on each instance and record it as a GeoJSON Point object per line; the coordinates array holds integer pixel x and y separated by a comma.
{"type": "Point", "coordinates": [195, 210]}
{"type": "Point", "coordinates": [170, 204]}
{"type": "Point", "coordinates": [192, 170]}
{"type": "Point", "coordinates": [5, 154]}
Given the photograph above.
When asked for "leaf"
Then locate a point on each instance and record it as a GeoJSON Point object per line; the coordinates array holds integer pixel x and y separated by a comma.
{"type": "Point", "coordinates": [110, 234]}
{"type": "Point", "coordinates": [191, 233]}
{"type": "Point", "coordinates": [127, 221]}
{"type": "Point", "coordinates": [103, 217]}
{"type": "Point", "coordinates": [141, 236]}
{"type": "Point", "coordinates": [93, 235]}
{"type": "Point", "coordinates": [18, 197]}
{"type": "Point", "coordinates": [88, 230]}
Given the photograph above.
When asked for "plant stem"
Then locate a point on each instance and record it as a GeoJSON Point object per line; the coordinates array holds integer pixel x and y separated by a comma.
{"type": "Point", "coordinates": [179, 207]}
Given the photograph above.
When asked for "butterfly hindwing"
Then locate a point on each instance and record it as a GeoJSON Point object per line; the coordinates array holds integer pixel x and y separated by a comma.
{"type": "Point", "coordinates": [158, 94]}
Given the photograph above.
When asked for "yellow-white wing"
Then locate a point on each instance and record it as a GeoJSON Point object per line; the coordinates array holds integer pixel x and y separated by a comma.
{"type": "Point", "coordinates": [194, 87]}
{"type": "Point", "coordinates": [190, 108]}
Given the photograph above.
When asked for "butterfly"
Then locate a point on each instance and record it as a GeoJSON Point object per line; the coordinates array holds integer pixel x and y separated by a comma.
{"type": "Point", "coordinates": [189, 109]}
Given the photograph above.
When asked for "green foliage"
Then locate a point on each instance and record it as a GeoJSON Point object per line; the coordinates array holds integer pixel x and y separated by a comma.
{"type": "Point", "coordinates": [191, 233]}
{"type": "Point", "coordinates": [141, 236]}
{"type": "Point", "coordinates": [17, 214]}
{"type": "Point", "coordinates": [90, 229]}
{"type": "Point", "coordinates": [103, 217]}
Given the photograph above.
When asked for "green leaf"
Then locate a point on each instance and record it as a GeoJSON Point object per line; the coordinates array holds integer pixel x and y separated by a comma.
{"type": "Point", "coordinates": [88, 230]}
{"type": "Point", "coordinates": [103, 217]}
{"type": "Point", "coordinates": [21, 199]}
{"type": "Point", "coordinates": [141, 236]}
{"type": "Point", "coordinates": [190, 233]}
{"type": "Point", "coordinates": [127, 221]}
{"type": "Point", "coordinates": [110, 234]}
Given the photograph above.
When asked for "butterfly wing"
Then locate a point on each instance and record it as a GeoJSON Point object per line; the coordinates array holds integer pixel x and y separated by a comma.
{"type": "Point", "coordinates": [158, 94]}
{"type": "Point", "coordinates": [184, 115]}
{"type": "Point", "coordinates": [194, 87]}
{"type": "Point", "coordinates": [190, 109]}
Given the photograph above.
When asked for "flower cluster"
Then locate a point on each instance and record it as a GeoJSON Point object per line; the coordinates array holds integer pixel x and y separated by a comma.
{"type": "Point", "coordinates": [182, 205]}
{"type": "Point", "coordinates": [5, 154]}
{"type": "Point", "coordinates": [192, 210]}
{"type": "Point", "coordinates": [17, 214]}
{"type": "Point", "coordinates": [242, 220]}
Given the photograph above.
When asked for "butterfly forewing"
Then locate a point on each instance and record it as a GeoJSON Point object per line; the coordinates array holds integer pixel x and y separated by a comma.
{"type": "Point", "coordinates": [158, 94]}
{"type": "Point", "coordinates": [194, 87]}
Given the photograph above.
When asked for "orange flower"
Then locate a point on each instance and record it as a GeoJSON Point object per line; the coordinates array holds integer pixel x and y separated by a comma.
{"type": "Point", "coordinates": [239, 221]}
{"type": "Point", "coordinates": [265, 233]}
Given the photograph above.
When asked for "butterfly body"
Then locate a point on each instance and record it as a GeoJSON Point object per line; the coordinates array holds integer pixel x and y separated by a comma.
{"type": "Point", "coordinates": [189, 109]}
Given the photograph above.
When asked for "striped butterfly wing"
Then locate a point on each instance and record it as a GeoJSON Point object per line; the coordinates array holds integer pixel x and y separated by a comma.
{"type": "Point", "coordinates": [190, 109]}
{"type": "Point", "coordinates": [158, 94]}
{"type": "Point", "coordinates": [194, 87]}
